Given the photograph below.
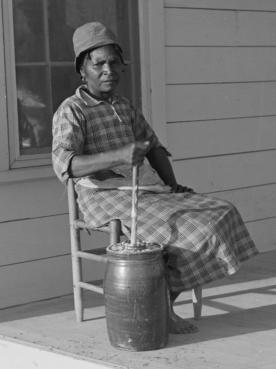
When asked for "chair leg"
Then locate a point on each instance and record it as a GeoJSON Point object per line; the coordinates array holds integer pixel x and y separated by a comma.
{"type": "Point", "coordinates": [77, 273]}
{"type": "Point", "coordinates": [77, 277]}
{"type": "Point", "coordinates": [75, 247]}
{"type": "Point", "coordinates": [197, 301]}
{"type": "Point", "coordinates": [115, 231]}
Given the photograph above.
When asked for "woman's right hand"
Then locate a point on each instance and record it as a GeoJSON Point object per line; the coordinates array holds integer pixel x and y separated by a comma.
{"type": "Point", "coordinates": [135, 152]}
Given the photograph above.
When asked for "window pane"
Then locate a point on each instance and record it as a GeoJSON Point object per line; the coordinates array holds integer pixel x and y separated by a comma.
{"type": "Point", "coordinates": [28, 30]}
{"type": "Point", "coordinates": [64, 83]}
{"type": "Point", "coordinates": [33, 110]}
{"type": "Point", "coordinates": [60, 31]}
{"type": "Point", "coordinates": [66, 15]}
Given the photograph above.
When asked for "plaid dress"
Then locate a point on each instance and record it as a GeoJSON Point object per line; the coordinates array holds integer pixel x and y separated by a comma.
{"type": "Point", "coordinates": [204, 238]}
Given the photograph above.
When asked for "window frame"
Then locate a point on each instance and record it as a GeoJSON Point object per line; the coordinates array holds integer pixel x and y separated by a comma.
{"type": "Point", "coordinates": [17, 160]}
{"type": "Point", "coordinates": [4, 149]}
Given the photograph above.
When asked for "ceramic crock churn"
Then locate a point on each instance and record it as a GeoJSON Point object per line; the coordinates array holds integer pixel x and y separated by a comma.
{"type": "Point", "coordinates": [135, 290]}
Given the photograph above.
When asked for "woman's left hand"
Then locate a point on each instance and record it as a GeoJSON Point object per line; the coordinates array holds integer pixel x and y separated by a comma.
{"type": "Point", "coordinates": [177, 188]}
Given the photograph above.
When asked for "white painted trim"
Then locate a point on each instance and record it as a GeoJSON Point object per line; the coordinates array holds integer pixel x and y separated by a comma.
{"type": "Point", "coordinates": [249, 5]}
{"type": "Point", "coordinates": [11, 81]}
{"type": "Point", "coordinates": [4, 143]}
{"type": "Point", "coordinates": [143, 9]}
{"type": "Point", "coordinates": [26, 174]}
{"type": "Point", "coordinates": [152, 45]}
{"type": "Point", "coordinates": [16, 354]}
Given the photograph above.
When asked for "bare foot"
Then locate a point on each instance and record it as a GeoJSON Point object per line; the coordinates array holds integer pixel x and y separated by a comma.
{"type": "Point", "coordinates": [178, 325]}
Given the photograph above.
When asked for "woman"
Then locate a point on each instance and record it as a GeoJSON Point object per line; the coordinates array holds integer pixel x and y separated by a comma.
{"type": "Point", "coordinates": [97, 137]}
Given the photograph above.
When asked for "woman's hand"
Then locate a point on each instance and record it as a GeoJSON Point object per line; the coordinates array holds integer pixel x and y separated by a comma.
{"type": "Point", "coordinates": [177, 188]}
{"type": "Point", "coordinates": [135, 153]}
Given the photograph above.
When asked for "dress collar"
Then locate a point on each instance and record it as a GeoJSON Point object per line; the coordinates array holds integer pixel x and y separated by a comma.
{"type": "Point", "coordinates": [83, 94]}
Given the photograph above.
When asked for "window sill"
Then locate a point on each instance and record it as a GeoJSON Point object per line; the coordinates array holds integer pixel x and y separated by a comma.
{"type": "Point", "coordinates": [26, 174]}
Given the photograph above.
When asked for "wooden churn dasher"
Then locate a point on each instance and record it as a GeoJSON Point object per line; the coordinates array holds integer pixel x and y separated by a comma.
{"type": "Point", "coordinates": [135, 290]}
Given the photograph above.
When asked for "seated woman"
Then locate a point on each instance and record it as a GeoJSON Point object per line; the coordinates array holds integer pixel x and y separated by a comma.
{"type": "Point", "coordinates": [98, 136]}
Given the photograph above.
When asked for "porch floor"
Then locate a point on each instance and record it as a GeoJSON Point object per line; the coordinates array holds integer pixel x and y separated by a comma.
{"type": "Point", "coordinates": [237, 329]}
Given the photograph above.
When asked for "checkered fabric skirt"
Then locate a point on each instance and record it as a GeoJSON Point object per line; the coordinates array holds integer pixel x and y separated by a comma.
{"type": "Point", "coordinates": [204, 238]}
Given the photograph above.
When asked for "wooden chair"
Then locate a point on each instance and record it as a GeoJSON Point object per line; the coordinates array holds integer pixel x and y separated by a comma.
{"type": "Point", "coordinates": [77, 254]}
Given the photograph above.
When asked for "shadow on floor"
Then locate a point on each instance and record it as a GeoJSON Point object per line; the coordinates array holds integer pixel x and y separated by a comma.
{"type": "Point", "coordinates": [229, 325]}
{"type": "Point", "coordinates": [50, 306]}
{"type": "Point", "coordinates": [233, 320]}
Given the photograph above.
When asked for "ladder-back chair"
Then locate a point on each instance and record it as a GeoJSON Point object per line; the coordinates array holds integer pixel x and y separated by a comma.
{"type": "Point", "coordinates": [99, 255]}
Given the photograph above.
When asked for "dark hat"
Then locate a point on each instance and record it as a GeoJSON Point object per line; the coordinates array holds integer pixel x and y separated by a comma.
{"type": "Point", "coordinates": [91, 36]}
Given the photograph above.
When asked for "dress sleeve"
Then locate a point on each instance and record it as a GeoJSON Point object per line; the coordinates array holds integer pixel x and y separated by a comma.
{"type": "Point", "coordinates": [144, 132]}
{"type": "Point", "coordinates": [68, 139]}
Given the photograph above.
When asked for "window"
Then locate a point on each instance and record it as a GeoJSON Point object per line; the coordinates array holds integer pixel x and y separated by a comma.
{"type": "Point", "coordinates": [39, 65]}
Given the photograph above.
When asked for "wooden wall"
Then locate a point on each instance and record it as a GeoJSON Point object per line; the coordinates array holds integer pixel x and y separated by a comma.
{"type": "Point", "coordinates": [35, 258]}
{"type": "Point", "coordinates": [221, 104]}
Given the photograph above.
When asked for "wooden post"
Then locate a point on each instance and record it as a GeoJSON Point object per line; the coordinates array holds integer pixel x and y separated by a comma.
{"type": "Point", "coordinates": [114, 231]}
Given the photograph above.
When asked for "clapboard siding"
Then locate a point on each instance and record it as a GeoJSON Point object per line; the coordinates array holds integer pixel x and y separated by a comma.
{"type": "Point", "coordinates": [220, 64]}
{"type": "Point", "coordinates": [217, 101]}
{"type": "Point", "coordinates": [33, 239]}
{"type": "Point", "coordinates": [31, 199]}
{"type": "Point", "coordinates": [221, 104]}
{"type": "Point", "coordinates": [262, 5]}
{"type": "Point", "coordinates": [254, 203]}
{"type": "Point", "coordinates": [219, 137]}
{"type": "Point", "coordinates": [41, 279]}
{"type": "Point", "coordinates": [200, 27]}
{"type": "Point", "coordinates": [26, 282]}
{"type": "Point", "coordinates": [264, 234]}
{"type": "Point", "coordinates": [40, 238]}
{"type": "Point", "coordinates": [212, 174]}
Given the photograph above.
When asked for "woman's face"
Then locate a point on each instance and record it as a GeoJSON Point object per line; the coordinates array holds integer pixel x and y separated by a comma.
{"type": "Point", "coordinates": [101, 70]}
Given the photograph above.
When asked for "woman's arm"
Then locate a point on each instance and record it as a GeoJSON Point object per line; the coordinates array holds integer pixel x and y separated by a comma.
{"type": "Point", "coordinates": [84, 165]}
{"type": "Point", "coordinates": [159, 160]}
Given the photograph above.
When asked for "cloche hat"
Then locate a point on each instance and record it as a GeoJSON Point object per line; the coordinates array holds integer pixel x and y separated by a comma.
{"type": "Point", "coordinates": [90, 36]}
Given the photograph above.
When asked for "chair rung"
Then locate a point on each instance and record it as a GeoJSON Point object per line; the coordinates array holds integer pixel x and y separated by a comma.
{"type": "Point", "coordinates": [91, 256]}
{"type": "Point", "coordinates": [91, 287]}
{"type": "Point", "coordinates": [80, 224]}
{"type": "Point", "coordinates": [97, 251]}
